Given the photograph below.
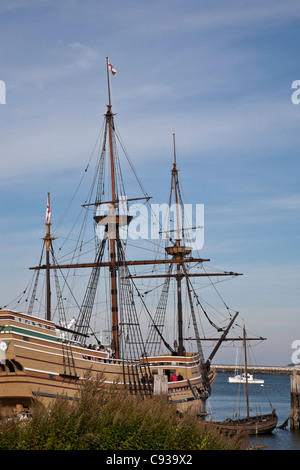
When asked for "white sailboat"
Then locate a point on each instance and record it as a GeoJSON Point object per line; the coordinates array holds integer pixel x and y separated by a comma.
{"type": "Point", "coordinates": [243, 377]}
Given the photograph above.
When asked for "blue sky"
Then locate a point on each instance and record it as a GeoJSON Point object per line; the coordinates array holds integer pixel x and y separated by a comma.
{"type": "Point", "coordinates": [216, 73]}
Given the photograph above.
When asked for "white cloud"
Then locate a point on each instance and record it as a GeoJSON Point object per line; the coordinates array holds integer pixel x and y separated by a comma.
{"type": "Point", "coordinates": [45, 146]}
{"type": "Point", "coordinates": [8, 5]}
{"type": "Point", "coordinates": [285, 203]}
{"type": "Point", "coordinates": [85, 56]}
{"type": "Point", "coordinates": [62, 63]}
{"type": "Point", "coordinates": [233, 131]}
{"type": "Point", "coordinates": [218, 17]}
{"type": "Point", "coordinates": [154, 91]}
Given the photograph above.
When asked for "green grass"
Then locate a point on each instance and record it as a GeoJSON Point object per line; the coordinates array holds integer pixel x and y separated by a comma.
{"type": "Point", "coordinates": [107, 419]}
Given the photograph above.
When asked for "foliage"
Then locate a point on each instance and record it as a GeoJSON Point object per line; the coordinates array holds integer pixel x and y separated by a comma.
{"type": "Point", "coordinates": [102, 418]}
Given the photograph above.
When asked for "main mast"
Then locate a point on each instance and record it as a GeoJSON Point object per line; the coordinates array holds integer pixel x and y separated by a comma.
{"type": "Point", "coordinates": [112, 238]}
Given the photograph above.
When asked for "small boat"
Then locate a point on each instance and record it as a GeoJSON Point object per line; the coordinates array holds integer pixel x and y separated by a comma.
{"type": "Point", "coordinates": [249, 424]}
{"type": "Point", "coordinates": [241, 379]}
{"type": "Point", "coordinates": [261, 424]}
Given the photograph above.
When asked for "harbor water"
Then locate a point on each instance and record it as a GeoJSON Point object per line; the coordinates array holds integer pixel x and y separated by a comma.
{"type": "Point", "coordinates": [225, 399]}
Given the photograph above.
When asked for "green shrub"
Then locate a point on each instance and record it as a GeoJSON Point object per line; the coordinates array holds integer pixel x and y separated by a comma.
{"type": "Point", "coordinates": [102, 418]}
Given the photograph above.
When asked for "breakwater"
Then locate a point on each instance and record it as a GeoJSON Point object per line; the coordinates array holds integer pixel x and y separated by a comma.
{"type": "Point", "coordinates": [267, 370]}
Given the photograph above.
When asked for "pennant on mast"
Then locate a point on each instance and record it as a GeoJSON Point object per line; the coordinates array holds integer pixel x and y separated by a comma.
{"type": "Point", "coordinates": [112, 69]}
{"type": "Point", "coordinates": [48, 212]}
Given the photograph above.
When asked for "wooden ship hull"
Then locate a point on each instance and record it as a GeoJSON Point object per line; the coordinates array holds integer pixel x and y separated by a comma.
{"type": "Point", "coordinates": [189, 393]}
{"type": "Point", "coordinates": [261, 424]}
{"type": "Point", "coordinates": [37, 364]}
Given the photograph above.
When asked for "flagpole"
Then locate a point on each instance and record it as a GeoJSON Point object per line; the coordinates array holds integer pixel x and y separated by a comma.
{"type": "Point", "coordinates": [108, 85]}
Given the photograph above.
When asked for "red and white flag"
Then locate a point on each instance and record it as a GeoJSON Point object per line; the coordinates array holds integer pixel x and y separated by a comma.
{"type": "Point", "coordinates": [112, 69]}
{"type": "Point", "coordinates": [48, 212]}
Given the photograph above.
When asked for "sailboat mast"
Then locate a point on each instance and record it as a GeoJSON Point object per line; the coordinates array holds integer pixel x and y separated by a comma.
{"type": "Point", "coordinates": [246, 373]}
{"type": "Point", "coordinates": [112, 241]}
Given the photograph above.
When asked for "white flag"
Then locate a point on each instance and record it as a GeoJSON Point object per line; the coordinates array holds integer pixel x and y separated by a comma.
{"type": "Point", "coordinates": [112, 69]}
{"type": "Point", "coordinates": [48, 212]}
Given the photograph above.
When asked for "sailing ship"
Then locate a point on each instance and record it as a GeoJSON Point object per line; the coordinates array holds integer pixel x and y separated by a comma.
{"type": "Point", "coordinates": [249, 424]}
{"type": "Point", "coordinates": [48, 349]}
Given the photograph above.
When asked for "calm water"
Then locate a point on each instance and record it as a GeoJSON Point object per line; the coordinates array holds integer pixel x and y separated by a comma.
{"type": "Point", "coordinates": [276, 390]}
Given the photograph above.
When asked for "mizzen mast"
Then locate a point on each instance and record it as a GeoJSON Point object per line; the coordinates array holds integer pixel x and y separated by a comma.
{"type": "Point", "coordinates": [48, 244]}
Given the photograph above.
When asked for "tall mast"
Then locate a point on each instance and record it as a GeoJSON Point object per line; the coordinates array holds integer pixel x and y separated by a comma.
{"type": "Point", "coordinates": [175, 180]}
{"type": "Point", "coordinates": [178, 252]}
{"type": "Point", "coordinates": [112, 241]}
{"type": "Point", "coordinates": [108, 83]}
{"type": "Point", "coordinates": [48, 241]}
{"type": "Point", "coordinates": [246, 373]}
{"type": "Point", "coordinates": [177, 240]}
